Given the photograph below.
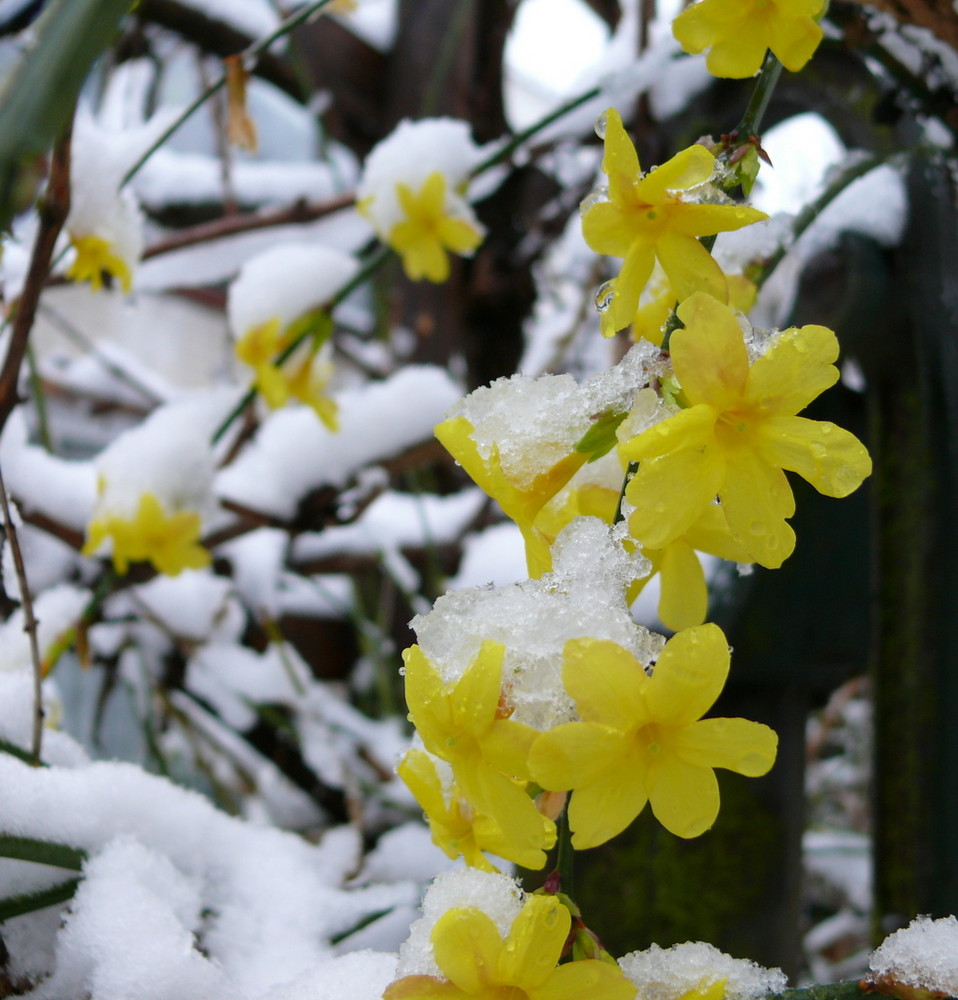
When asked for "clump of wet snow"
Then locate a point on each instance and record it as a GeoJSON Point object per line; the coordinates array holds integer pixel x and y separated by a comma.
{"type": "Point", "coordinates": [670, 973]}
{"type": "Point", "coordinates": [924, 955]}
{"type": "Point", "coordinates": [533, 619]}
{"type": "Point", "coordinates": [498, 896]}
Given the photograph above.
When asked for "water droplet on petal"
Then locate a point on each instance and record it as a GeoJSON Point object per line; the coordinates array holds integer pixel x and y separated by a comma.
{"type": "Point", "coordinates": [604, 296]}
{"type": "Point", "coordinates": [600, 125]}
{"type": "Point", "coordinates": [818, 449]}
{"type": "Point", "coordinates": [757, 527]}
{"type": "Point", "coordinates": [599, 196]}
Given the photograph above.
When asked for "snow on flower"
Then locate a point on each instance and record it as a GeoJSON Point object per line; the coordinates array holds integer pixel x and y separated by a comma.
{"type": "Point", "coordinates": [640, 737]}
{"type": "Point", "coordinates": [105, 224]}
{"type": "Point", "coordinates": [512, 950]}
{"type": "Point", "coordinates": [656, 216]}
{"type": "Point", "coordinates": [275, 309]}
{"type": "Point", "coordinates": [523, 439]}
{"type": "Point", "coordinates": [413, 192]}
{"type": "Point", "coordinates": [154, 489]}
{"type": "Point", "coordinates": [698, 971]}
{"type": "Point", "coordinates": [485, 678]}
{"type": "Point", "coordinates": [737, 33]}
{"type": "Point", "coordinates": [737, 434]}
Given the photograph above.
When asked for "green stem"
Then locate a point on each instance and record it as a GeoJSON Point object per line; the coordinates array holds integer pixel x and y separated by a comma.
{"type": "Point", "coordinates": [758, 103]}
{"type": "Point", "coordinates": [42, 852]}
{"type": "Point", "coordinates": [505, 151]}
{"type": "Point", "coordinates": [250, 57]}
{"type": "Point", "coordinates": [15, 906]}
{"type": "Point", "coordinates": [632, 469]}
{"type": "Point", "coordinates": [813, 210]}
{"type": "Point", "coordinates": [39, 400]}
{"type": "Point", "coordinates": [565, 854]}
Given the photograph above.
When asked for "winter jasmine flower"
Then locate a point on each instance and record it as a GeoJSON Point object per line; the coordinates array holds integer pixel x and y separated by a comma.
{"type": "Point", "coordinates": [641, 737]}
{"type": "Point", "coordinates": [738, 433]}
{"type": "Point", "coordinates": [455, 825]}
{"type": "Point", "coordinates": [169, 540]}
{"type": "Point", "coordinates": [413, 193]}
{"type": "Point", "coordinates": [655, 216]}
{"type": "Point", "coordinates": [467, 724]}
{"type": "Point", "coordinates": [476, 960]}
{"type": "Point", "coordinates": [737, 33]}
{"type": "Point", "coordinates": [277, 301]}
{"type": "Point", "coordinates": [155, 489]}
{"type": "Point", "coordinates": [104, 225]}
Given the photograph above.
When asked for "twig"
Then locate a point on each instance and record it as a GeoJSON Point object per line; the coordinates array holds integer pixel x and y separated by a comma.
{"type": "Point", "coordinates": [299, 212]}
{"type": "Point", "coordinates": [53, 211]}
{"type": "Point", "coordinates": [250, 57]}
{"type": "Point", "coordinates": [29, 623]}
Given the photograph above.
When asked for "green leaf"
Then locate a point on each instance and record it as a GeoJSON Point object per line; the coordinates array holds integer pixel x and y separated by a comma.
{"type": "Point", "coordinates": [599, 439]}
{"type": "Point", "coordinates": [15, 906]}
{"type": "Point", "coordinates": [38, 94]}
{"type": "Point", "coordinates": [42, 852]}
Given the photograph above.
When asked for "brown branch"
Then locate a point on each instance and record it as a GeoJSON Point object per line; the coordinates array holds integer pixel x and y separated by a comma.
{"type": "Point", "coordinates": [29, 623]}
{"type": "Point", "coordinates": [53, 211]}
{"type": "Point", "coordinates": [298, 213]}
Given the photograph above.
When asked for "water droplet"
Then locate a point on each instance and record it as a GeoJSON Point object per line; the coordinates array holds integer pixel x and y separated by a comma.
{"type": "Point", "coordinates": [604, 296]}
{"type": "Point", "coordinates": [600, 125]}
{"type": "Point", "coordinates": [757, 527]}
{"type": "Point", "coordinates": [599, 196]}
{"type": "Point", "coordinates": [818, 449]}
{"type": "Point", "coordinates": [660, 508]}
{"type": "Point", "coordinates": [800, 346]}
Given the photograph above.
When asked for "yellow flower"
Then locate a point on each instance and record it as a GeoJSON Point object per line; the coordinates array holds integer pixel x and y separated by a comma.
{"type": "Point", "coordinates": [737, 33]}
{"type": "Point", "coordinates": [303, 376]}
{"type": "Point", "coordinates": [642, 738]}
{"type": "Point", "coordinates": [466, 724]}
{"type": "Point", "coordinates": [478, 962]}
{"type": "Point", "coordinates": [520, 501]}
{"type": "Point", "coordinates": [95, 257]}
{"type": "Point", "coordinates": [168, 541]}
{"type": "Point", "coordinates": [428, 231]}
{"type": "Point", "coordinates": [738, 434]}
{"type": "Point", "coordinates": [645, 219]}
{"type": "Point", "coordinates": [683, 593]}
{"type": "Point", "coordinates": [455, 826]}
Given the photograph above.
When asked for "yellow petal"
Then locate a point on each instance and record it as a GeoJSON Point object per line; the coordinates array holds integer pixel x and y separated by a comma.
{"type": "Point", "coordinates": [688, 676]}
{"type": "Point", "coordinates": [709, 355]}
{"type": "Point", "coordinates": [687, 168]}
{"type": "Point", "coordinates": [670, 494]}
{"type": "Point", "coordinates": [604, 808]}
{"type": "Point", "coordinates": [711, 534]}
{"type": "Point", "coordinates": [794, 41]}
{"type": "Point", "coordinates": [683, 600]}
{"type": "Point", "coordinates": [422, 988]}
{"type": "Point", "coordinates": [534, 944]}
{"type": "Point", "coordinates": [466, 945]}
{"type": "Point", "coordinates": [707, 220]}
{"type": "Point", "coordinates": [693, 428]}
{"type": "Point", "coordinates": [736, 744]}
{"type": "Point", "coordinates": [795, 369]}
{"type": "Point", "coordinates": [429, 707]}
{"type": "Point", "coordinates": [585, 978]}
{"type": "Point", "coordinates": [627, 288]}
{"type": "Point", "coordinates": [757, 499]}
{"type": "Point", "coordinates": [607, 229]}
{"type": "Point", "coordinates": [606, 682]}
{"type": "Point", "coordinates": [832, 459]}
{"type": "Point", "coordinates": [620, 162]}
{"type": "Point", "coordinates": [689, 267]}
{"type": "Point", "coordinates": [475, 696]}
{"type": "Point", "coordinates": [684, 798]}
{"type": "Point", "coordinates": [575, 754]}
